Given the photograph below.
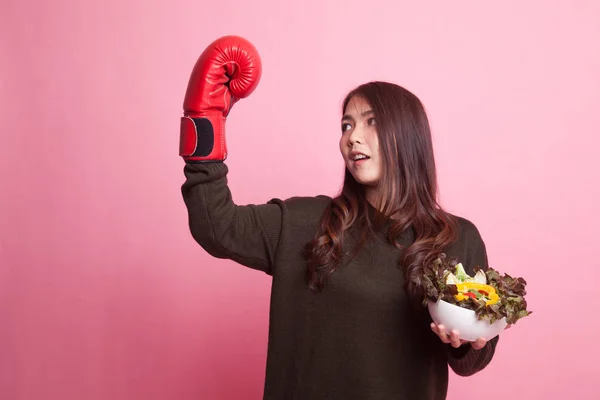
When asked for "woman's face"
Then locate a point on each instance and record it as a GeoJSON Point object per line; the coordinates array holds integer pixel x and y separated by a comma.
{"type": "Point", "coordinates": [359, 143]}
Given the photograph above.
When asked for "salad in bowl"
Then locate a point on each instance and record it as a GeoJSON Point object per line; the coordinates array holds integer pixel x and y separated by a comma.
{"type": "Point", "coordinates": [476, 306]}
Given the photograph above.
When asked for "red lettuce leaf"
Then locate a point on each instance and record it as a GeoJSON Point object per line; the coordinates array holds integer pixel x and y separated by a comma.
{"type": "Point", "coordinates": [511, 305]}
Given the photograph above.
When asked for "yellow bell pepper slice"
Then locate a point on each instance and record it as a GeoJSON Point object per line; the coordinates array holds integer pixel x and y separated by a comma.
{"type": "Point", "coordinates": [489, 290]}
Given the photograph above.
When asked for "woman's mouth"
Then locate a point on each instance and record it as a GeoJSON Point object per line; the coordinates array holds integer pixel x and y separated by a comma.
{"type": "Point", "coordinates": [359, 158]}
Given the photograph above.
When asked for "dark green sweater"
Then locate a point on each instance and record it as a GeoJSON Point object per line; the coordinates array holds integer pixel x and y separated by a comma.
{"type": "Point", "coordinates": [358, 339]}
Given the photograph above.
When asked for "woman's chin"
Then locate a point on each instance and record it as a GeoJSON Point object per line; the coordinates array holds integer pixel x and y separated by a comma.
{"type": "Point", "coordinates": [364, 177]}
{"type": "Point", "coordinates": [366, 181]}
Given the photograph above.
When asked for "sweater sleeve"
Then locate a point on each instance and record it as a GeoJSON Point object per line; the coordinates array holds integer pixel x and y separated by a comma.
{"type": "Point", "coordinates": [465, 360]}
{"type": "Point", "coordinates": [247, 234]}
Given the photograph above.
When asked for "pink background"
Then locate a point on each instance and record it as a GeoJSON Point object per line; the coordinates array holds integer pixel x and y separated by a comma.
{"type": "Point", "coordinates": [105, 295]}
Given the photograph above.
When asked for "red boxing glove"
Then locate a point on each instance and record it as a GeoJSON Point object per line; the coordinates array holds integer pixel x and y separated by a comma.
{"type": "Point", "coordinates": [228, 70]}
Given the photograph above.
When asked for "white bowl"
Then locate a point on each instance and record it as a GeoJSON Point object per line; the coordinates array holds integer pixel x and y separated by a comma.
{"type": "Point", "coordinates": [464, 321]}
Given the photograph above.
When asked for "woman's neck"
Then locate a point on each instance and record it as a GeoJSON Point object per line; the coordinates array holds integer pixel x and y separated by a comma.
{"type": "Point", "coordinates": [375, 199]}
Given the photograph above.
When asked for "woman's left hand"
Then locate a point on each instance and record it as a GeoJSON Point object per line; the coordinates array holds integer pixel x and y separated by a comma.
{"type": "Point", "coordinates": [453, 339]}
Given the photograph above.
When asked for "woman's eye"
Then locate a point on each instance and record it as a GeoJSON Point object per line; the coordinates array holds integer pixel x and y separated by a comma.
{"type": "Point", "coordinates": [345, 127]}
{"type": "Point", "coordinates": [371, 121]}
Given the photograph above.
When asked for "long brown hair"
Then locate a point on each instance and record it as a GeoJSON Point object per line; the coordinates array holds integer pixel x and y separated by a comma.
{"type": "Point", "coordinates": [408, 187]}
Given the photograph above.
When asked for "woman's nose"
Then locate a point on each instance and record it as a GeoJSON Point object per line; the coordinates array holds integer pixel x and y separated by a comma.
{"type": "Point", "coordinates": [355, 137]}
